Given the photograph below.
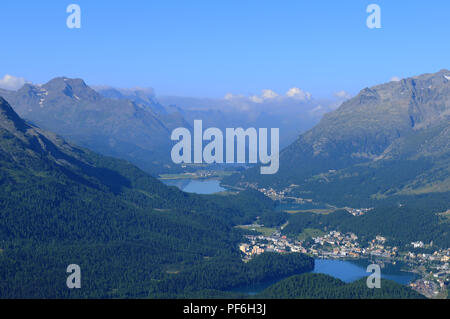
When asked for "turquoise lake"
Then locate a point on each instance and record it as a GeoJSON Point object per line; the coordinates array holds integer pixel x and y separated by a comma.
{"type": "Point", "coordinates": [197, 186]}
{"type": "Point", "coordinates": [349, 271]}
{"type": "Point", "coordinates": [345, 270]}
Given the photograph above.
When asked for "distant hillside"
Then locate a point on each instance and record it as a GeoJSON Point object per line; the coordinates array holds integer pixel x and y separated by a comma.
{"type": "Point", "coordinates": [392, 139]}
{"type": "Point", "coordinates": [133, 129]}
{"type": "Point", "coordinates": [142, 96]}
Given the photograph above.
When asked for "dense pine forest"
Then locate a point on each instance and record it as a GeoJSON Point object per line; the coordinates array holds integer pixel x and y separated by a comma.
{"type": "Point", "coordinates": [132, 236]}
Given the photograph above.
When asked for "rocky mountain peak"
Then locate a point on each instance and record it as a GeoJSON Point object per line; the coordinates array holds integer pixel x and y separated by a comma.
{"type": "Point", "coordinates": [72, 88]}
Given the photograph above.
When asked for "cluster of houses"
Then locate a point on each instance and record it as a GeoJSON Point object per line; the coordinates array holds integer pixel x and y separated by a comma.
{"type": "Point", "coordinates": [437, 275]}
{"type": "Point", "coordinates": [335, 244]}
{"type": "Point", "coordinates": [358, 211]}
{"type": "Point", "coordinates": [272, 193]}
{"type": "Point", "coordinates": [437, 256]}
{"type": "Point", "coordinates": [339, 245]}
{"type": "Point", "coordinates": [426, 287]}
{"type": "Point", "coordinates": [274, 243]}
{"type": "Point", "coordinates": [281, 195]}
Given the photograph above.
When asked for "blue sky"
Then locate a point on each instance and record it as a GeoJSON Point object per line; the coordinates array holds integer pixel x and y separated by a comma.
{"type": "Point", "coordinates": [209, 48]}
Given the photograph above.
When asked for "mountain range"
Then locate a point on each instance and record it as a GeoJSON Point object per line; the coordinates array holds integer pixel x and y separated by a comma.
{"type": "Point", "coordinates": [135, 129]}
{"type": "Point", "coordinates": [132, 236]}
{"type": "Point", "coordinates": [391, 139]}
{"type": "Point", "coordinates": [134, 125]}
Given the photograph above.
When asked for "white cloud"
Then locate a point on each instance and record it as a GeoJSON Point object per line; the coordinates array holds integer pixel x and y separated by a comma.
{"type": "Point", "coordinates": [298, 94]}
{"type": "Point", "coordinates": [229, 96]}
{"type": "Point", "coordinates": [395, 79]}
{"type": "Point", "coordinates": [234, 97]}
{"type": "Point", "coordinates": [266, 95]}
{"type": "Point", "coordinates": [269, 94]}
{"type": "Point", "coordinates": [342, 95]}
{"type": "Point", "coordinates": [10, 82]}
{"type": "Point", "coordinates": [256, 99]}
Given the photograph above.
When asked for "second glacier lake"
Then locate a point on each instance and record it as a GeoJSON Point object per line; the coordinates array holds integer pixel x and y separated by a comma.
{"type": "Point", "coordinates": [196, 186]}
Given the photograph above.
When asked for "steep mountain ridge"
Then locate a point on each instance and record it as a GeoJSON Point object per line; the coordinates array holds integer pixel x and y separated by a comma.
{"type": "Point", "coordinates": [120, 128]}
{"type": "Point", "coordinates": [367, 124]}
{"type": "Point", "coordinates": [400, 127]}
{"type": "Point", "coordinates": [35, 141]}
{"type": "Point", "coordinates": [142, 96]}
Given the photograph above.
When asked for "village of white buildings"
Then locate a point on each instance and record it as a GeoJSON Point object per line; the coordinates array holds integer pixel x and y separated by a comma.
{"type": "Point", "coordinates": [432, 268]}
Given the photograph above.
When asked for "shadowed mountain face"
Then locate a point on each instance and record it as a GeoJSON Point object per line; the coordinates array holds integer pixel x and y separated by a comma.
{"type": "Point", "coordinates": [25, 148]}
{"type": "Point", "coordinates": [403, 124]}
{"type": "Point", "coordinates": [364, 127]}
{"type": "Point", "coordinates": [135, 131]}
